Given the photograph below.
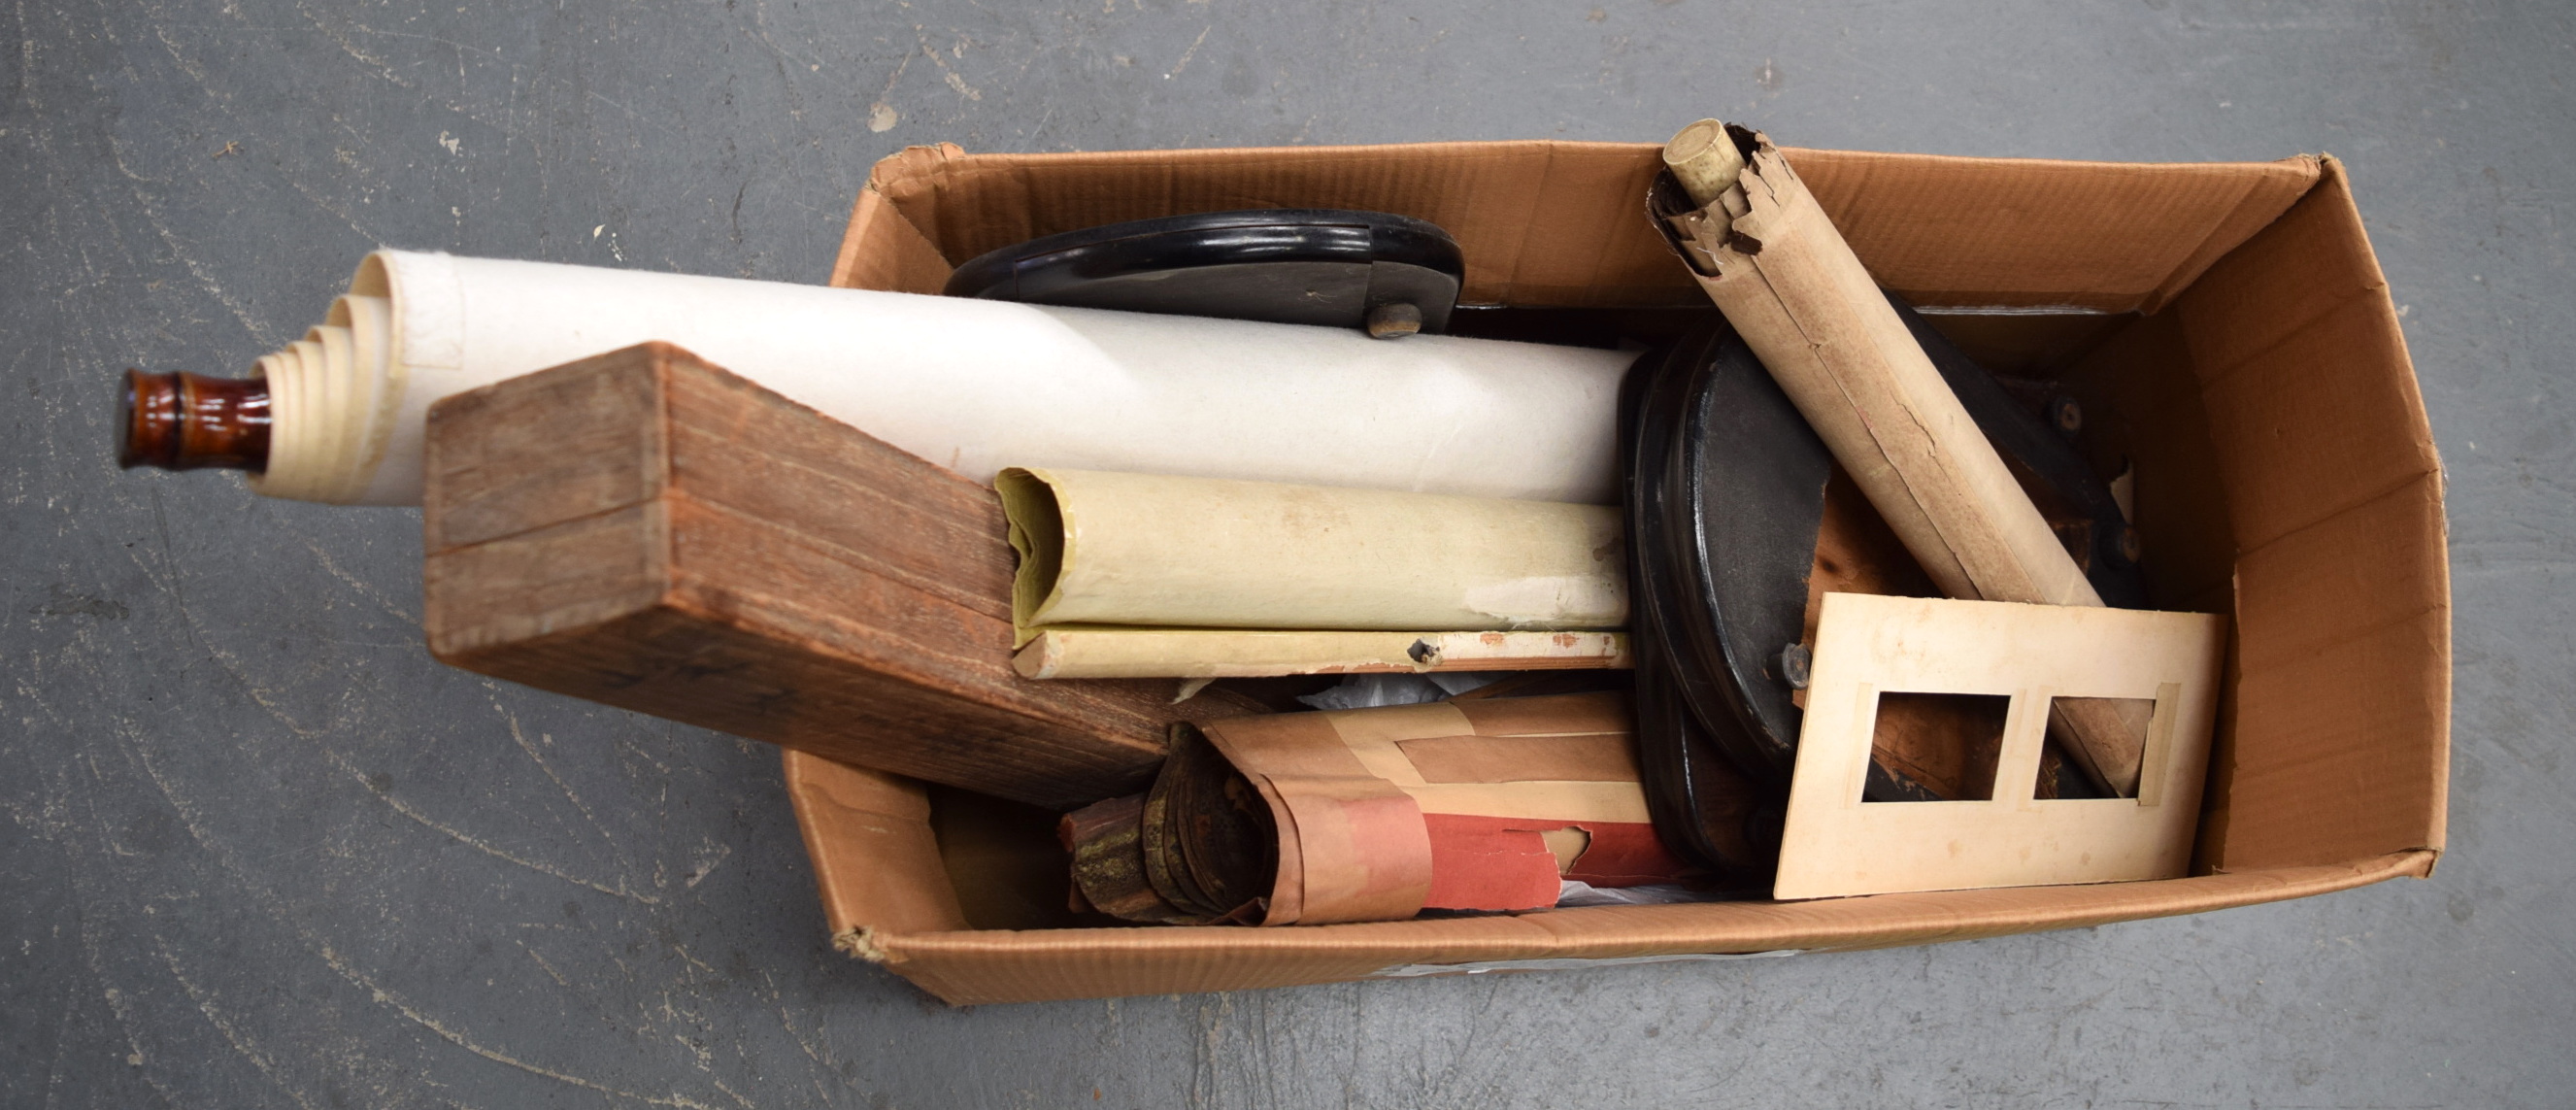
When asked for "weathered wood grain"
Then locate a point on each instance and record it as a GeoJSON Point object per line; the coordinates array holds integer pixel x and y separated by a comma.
{"type": "Point", "coordinates": [652, 532]}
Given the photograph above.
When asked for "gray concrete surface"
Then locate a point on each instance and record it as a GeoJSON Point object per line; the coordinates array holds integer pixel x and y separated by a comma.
{"type": "Point", "coordinates": [256, 849]}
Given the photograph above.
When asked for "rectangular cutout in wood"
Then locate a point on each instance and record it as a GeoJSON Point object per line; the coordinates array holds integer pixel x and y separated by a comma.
{"type": "Point", "coordinates": [1869, 646]}
{"type": "Point", "coordinates": [1944, 746]}
{"type": "Point", "coordinates": [2055, 774]}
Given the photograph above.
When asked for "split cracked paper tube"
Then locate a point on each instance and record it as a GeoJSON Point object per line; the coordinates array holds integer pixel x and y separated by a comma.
{"type": "Point", "coordinates": [1773, 261]}
{"type": "Point", "coordinates": [1148, 575]}
{"type": "Point", "coordinates": [968, 384]}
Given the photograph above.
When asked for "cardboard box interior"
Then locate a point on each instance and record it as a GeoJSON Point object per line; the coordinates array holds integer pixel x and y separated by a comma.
{"type": "Point", "coordinates": [2225, 326]}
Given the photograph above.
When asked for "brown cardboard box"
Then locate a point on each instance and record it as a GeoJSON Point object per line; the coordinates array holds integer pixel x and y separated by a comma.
{"type": "Point", "coordinates": [2228, 321]}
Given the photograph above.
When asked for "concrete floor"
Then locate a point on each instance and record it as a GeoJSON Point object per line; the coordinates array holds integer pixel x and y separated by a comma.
{"type": "Point", "coordinates": [257, 849]}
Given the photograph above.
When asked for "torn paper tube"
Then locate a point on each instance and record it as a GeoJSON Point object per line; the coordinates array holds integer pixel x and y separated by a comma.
{"type": "Point", "coordinates": [1161, 551]}
{"type": "Point", "coordinates": [968, 384]}
{"type": "Point", "coordinates": [1771, 259]}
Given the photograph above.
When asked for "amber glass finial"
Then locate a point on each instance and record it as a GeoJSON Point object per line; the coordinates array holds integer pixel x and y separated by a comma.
{"type": "Point", "coordinates": [183, 421]}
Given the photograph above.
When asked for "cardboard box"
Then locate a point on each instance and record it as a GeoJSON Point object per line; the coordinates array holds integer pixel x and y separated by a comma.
{"type": "Point", "coordinates": [2225, 324]}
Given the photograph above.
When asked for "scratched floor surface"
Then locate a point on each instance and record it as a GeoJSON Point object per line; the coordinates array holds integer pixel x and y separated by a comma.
{"type": "Point", "coordinates": [256, 849]}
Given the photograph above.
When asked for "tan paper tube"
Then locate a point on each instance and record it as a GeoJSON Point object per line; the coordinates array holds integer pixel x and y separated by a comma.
{"type": "Point", "coordinates": [1773, 261]}
{"type": "Point", "coordinates": [1161, 551]}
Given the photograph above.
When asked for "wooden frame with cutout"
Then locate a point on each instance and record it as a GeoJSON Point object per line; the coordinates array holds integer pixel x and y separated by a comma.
{"type": "Point", "coordinates": [1866, 645]}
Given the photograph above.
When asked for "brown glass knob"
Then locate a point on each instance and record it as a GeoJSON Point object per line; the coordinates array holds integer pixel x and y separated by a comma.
{"type": "Point", "coordinates": [184, 421]}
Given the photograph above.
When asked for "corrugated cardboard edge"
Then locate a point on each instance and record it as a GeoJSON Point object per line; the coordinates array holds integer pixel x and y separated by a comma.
{"type": "Point", "coordinates": [2264, 199]}
{"type": "Point", "coordinates": [2324, 446]}
{"type": "Point", "coordinates": [903, 258]}
{"type": "Point", "coordinates": [970, 968]}
{"type": "Point", "coordinates": [876, 863]}
{"type": "Point", "coordinates": [888, 900]}
{"type": "Point", "coordinates": [1582, 253]}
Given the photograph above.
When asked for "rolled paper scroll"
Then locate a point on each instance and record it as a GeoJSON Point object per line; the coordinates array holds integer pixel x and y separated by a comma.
{"type": "Point", "coordinates": [1766, 253]}
{"type": "Point", "coordinates": [1156, 553]}
{"type": "Point", "coordinates": [968, 384]}
{"type": "Point", "coordinates": [1379, 814]}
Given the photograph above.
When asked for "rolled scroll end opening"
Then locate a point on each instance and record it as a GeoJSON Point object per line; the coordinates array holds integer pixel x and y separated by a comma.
{"type": "Point", "coordinates": [1037, 536]}
{"type": "Point", "coordinates": [183, 421]}
{"type": "Point", "coordinates": [1705, 159]}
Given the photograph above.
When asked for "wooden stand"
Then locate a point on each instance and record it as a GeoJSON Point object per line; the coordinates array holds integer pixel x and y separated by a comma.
{"type": "Point", "coordinates": [651, 532]}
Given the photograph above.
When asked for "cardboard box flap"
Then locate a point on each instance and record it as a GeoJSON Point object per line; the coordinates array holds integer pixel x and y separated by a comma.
{"type": "Point", "coordinates": [887, 253]}
{"type": "Point", "coordinates": [2017, 232]}
{"type": "Point", "coordinates": [2340, 741]}
{"type": "Point", "coordinates": [1530, 216]}
{"type": "Point", "coordinates": [994, 965]}
{"type": "Point", "coordinates": [2341, 736]}
{"type": "Point", "coordinates": [889, 899]}
{"type": "Point", "coordinates": [2311, 395]}
{"type": "Point", "coordinates": [1524, 212]}
{"type": "Point", "coordinates": [875, 860]}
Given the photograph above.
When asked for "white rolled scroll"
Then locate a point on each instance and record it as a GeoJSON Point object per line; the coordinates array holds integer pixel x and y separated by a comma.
{"type": "Point", "coordinates": [968, 384]}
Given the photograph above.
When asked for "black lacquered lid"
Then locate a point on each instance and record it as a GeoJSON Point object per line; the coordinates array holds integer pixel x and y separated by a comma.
{"type": "Point", "coordinates": [1730, 504]}
{"type": "Point", "coordinates": [1284, 265]}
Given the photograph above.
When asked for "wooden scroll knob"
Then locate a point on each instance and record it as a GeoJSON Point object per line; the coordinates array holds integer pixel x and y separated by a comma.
{"type": "Point", "coordinates": [1705, 159]}
{"type": "Point", "coordinates": [184, 421]}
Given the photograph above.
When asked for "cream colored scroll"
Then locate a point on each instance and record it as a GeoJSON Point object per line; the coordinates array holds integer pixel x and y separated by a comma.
{"type": "Point", "coordinates": [1772, 260]}
{"type": "Point", "coordinates": [1157, 551]}
{"type": "Point", "coordinates": [967, 384]}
